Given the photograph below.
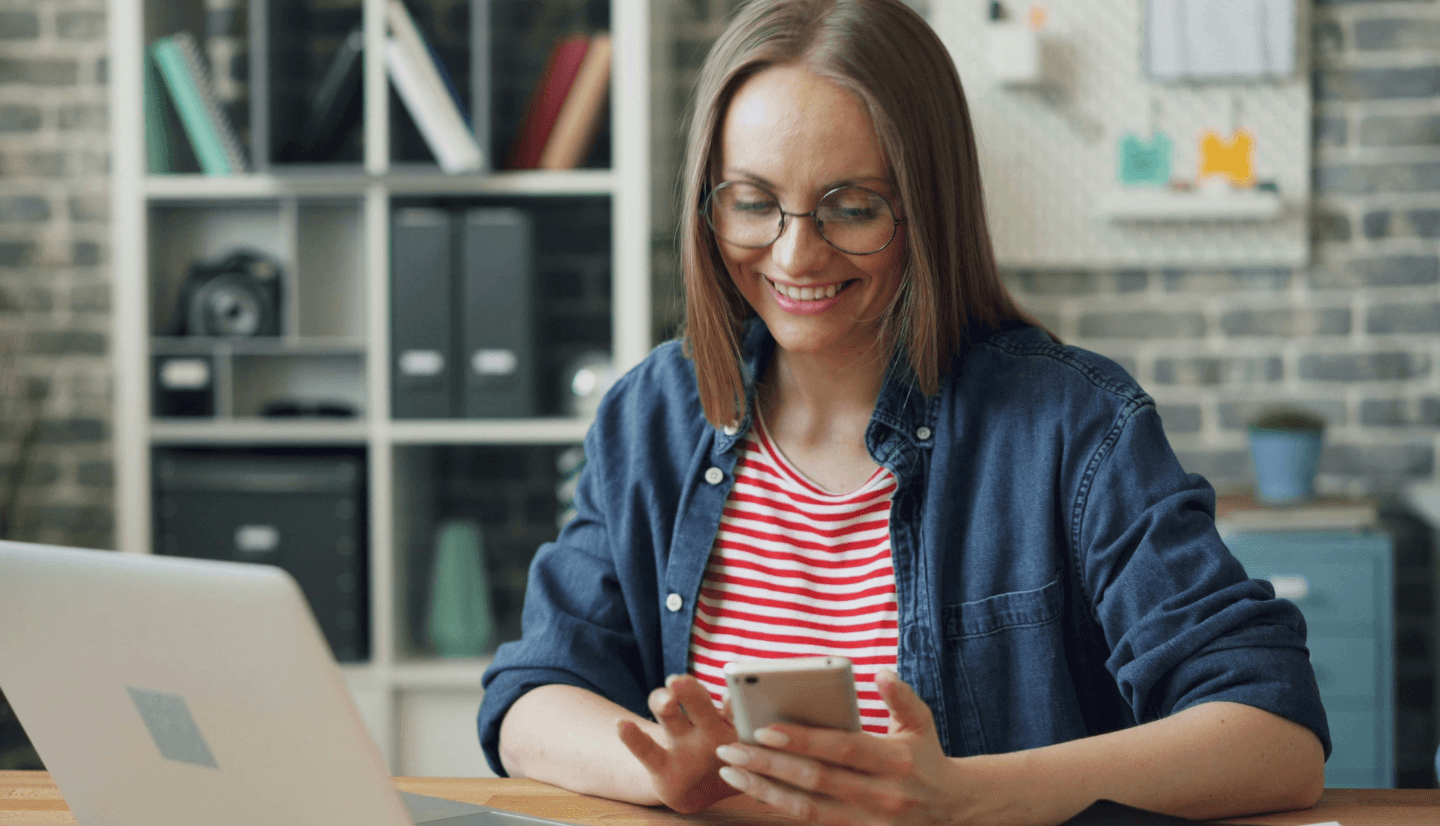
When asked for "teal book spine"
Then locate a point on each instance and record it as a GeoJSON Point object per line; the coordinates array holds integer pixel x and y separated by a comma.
{"type": "Point", "coordinates": [158, 148]}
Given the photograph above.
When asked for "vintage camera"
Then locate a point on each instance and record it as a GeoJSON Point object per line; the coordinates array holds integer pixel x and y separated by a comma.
{"type": "Point", "coordinates": [237, 296]}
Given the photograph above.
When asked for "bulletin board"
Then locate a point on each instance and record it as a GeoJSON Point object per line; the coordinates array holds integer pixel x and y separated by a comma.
{"type": "Point", "coordinates": [1051, 150]}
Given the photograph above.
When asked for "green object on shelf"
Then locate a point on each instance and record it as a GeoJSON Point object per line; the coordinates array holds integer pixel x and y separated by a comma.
{"type": "Point", "coordinates": [1145, 163]}
{"type": "Point", "coordinates": [461, 620]}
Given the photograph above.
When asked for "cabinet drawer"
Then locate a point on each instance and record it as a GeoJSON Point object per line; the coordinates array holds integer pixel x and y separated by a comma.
{"type": "Point", "coordinates": [1326, 592]}
{"type": "Point", "coordinates": [1345, 666]}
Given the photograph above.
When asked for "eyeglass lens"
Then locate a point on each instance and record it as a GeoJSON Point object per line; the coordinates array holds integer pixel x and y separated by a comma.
{"type": "Point", "coordinates": [853, 219]}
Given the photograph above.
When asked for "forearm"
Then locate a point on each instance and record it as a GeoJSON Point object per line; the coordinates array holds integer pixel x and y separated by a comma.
{"type": "Point", "coordinates": [1209, 761]}
{"type": "Point", "coordinates": [565, 736]}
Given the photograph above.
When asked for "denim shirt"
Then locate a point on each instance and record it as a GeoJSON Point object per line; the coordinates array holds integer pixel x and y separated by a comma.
{"type": "Point", "coordinates": [1057, 573]}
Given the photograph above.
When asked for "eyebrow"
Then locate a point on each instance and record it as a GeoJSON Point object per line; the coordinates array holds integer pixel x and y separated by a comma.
{"type": "Point", "coordinates": [762, 180]}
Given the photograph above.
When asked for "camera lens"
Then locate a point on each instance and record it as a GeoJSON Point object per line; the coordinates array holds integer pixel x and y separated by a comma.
{"type": "Point", "coordinates": [752, 679]}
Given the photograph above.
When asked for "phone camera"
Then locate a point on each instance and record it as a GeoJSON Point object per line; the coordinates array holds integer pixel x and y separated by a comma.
{"type": "Point", "coordinates": [752, 679]}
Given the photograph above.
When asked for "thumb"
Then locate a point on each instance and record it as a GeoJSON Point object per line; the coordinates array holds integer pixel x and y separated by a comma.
{"type": "Point", "coordinates": [908, 712]}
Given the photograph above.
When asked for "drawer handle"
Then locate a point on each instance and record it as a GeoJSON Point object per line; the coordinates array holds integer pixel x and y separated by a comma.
{"type": "Point", "coordinates": [1293, 587]}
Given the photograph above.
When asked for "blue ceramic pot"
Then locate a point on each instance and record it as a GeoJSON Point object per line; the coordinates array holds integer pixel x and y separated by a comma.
{"type": "Point", "coordinates": [1285, 462]}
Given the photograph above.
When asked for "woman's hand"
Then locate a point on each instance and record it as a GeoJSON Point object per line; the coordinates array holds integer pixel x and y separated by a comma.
{"type": "Point", "coordinates": [685, 769]}
{"type": "Point", "coordinates": [843, 778]}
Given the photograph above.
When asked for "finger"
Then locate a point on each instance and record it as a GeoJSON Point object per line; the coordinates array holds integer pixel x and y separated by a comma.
{"type": "Point", "coordinates": [650, 753]}
{"type": "Point", "coordinates": [820, 779]}
{"type": "Point", "coordinates": [668, 712]}
{"type": "Point", "coordinates": [694, 699]}
{"type": "Point", "coordinates": [797, 803]}
{"type": "Point", "coordinates": [907, 711]}
{"type": "Point", "coordinates": [726, 710]}
{"type": "Point", "coordinates": [855, 750]}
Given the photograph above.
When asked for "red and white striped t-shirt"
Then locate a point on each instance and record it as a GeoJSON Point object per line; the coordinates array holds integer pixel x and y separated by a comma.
{"type": "Point", "coordinates": [797, 571]}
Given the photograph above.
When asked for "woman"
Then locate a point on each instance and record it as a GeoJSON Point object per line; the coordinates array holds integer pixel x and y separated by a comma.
{"type": "Point", "coordinates": [860, 416]}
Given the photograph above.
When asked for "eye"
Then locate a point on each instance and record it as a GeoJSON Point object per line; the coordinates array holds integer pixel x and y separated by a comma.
{"type": "Point", "coordinates": [852, 205]}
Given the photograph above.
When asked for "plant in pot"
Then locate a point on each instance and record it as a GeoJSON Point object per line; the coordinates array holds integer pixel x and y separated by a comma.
{"type": "Point", "coordinates": [1285, 450]}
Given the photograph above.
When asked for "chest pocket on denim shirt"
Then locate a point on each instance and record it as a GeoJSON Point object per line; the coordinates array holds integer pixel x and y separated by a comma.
{"type": "Point", "coordinates": [1006, 656]}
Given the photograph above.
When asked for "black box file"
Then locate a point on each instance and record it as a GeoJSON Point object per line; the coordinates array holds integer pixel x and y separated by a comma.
{"type": "Point", "coordinates": [303, 511]}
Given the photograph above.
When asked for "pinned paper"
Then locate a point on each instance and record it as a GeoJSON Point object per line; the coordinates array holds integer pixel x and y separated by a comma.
{"type": "Point", "coordinates": [1232, 160]}
{"type": "Point", "coordinates": [1145, 164]}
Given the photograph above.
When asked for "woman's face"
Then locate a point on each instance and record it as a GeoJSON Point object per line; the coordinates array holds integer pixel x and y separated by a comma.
{"type": "Point", "coordinates": [800, 136]}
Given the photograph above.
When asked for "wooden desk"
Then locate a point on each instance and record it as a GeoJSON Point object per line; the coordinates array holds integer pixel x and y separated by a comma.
{"type": "Point", "coordinates": [30, 799]}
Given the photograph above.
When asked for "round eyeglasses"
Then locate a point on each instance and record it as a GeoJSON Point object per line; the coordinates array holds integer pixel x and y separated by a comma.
{"type": "Point", "coordinates": [852, 219]}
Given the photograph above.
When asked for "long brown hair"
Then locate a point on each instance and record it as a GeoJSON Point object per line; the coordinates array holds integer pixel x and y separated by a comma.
{"type": "Point", "coordinates": [888, 57]}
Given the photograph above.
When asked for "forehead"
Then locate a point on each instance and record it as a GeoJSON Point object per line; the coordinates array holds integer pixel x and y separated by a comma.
{"type": "Point", "coordinates": [794, 128]}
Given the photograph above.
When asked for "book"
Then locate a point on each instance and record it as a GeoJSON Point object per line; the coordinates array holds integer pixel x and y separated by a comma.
{"type": "Point", "coordinates": [583, 110]}
{"type": "Point", "coordinates": [336, 107]}
{"type": "Point", "coordinates": [561, 68]}
{"type": "Point", "coordinates": [216, 145]}
{"type": "Point", "coordinates": [159, 143]}
{"type": "Point", "coordinates": [416, 77]}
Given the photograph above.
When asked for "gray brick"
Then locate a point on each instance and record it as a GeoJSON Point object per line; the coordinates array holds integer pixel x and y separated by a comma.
{"type": "Point", "coordinates": [1180, 418]}
{"type": "Point", "coordinates": [39, 71]}
{"type": "Point", "coordinates": [20, 118]}
{"type": "Point", "coordinates": [39, 164]}
{"type": "Point", "coordinates": [1400, 130]}
{"type": "Point", "coordinates": [90, 298]}
{"type": "Point", "coordinates": [1377, 224]}
{"type": "Point", "coordinates": [1130, 281]}
{"type": "Point", "coordinates": [71, 431]}
{"type": "Point", "coordinates": [1396, 33]}
{"type": "Point", "coordinates": [1329, 226]}
{"type": "Point", "coordinates": [1364, 367]}
{"type": "Point", "coordinates": [1389, 271]}
{"type": "Point", "coordinates": [1327, 38]}
{"type": "Point", "coordinates": [1229, 281]}
{"type": "Point", "coordinates": [1400, 412]}
{"type": "Point", "coordinates": [24, 209]}
{"type": "Point", "coordinates": [86, 253]}
{"type": "Point", "coordinates": [89, 208]}
{"type": "Point", "coordinates": [1142, 325]}
{"type": "Point", "coordinates": [1217, 370]}
{"type": "Point", "coordinates": [1424, 222]}
{"type": "Point", "coordinates": [1366, 179]}
{"type": "Point", "coordinates": [1048, 282]}
{"type": "Point", "coordinates": [1406, 461]}
{"type": "Point", "coordinates": [19, 25]}
{"type": "Point", "coordinates": [1404, 318]}
{"type": "Point", "coordinates": [80, 25]}
{"type": "Point", "coordinates": [68, 343]}
{"type": "Point", "coordinates": [17, 253]}
{"type": "Point", "coordinates": [102, 71]}
{"type": "Point", "coordinates": [1331, 131]}
{"type": "Point", "coordinates": [1377, 84]}
{"type": "Point", "coordinates": [24, 298]}
{"type": "Point", "coordinates": [96, 474]}
{"type": "Point", "coordinates": [1216, 465]}
{"type": "Point", "coordinates": [94, 118]}
{"type": "Point", "coordinates": [1238, 415]}
{"type": "Point", "coordinates": [1287, 322]}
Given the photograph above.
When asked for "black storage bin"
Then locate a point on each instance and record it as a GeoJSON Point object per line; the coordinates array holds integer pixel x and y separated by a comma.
{"type": "Point", "coordinates": [303, 511]}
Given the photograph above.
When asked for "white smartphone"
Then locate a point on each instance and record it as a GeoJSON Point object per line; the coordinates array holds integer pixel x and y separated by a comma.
{"type": "Point", "coordinates": [812, 691]}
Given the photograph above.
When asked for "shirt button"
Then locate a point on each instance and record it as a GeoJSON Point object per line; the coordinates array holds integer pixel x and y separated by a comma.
{"type": "Point", "coordinates": [673, 602]}
{"type": "Point", "coordinates": [922, 433]}
{"type": "Point", "coordinates": [714, 475]}
{"type": "Point", "coordinates": [729, 430]}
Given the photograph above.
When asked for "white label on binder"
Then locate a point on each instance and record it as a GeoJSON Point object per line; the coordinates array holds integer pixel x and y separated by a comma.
{"type": "Point", "coordinates": [257, 539]}
{"type": "Point", "coordinates": [185, 374]}
{"type": "Point", "coordinates": [495, 362]}
{"type": "Point", "coordinates": [421, 363]}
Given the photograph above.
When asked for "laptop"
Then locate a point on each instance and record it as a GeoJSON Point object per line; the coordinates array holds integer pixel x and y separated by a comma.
{"type": "Point", "coordinates": [163, 690]}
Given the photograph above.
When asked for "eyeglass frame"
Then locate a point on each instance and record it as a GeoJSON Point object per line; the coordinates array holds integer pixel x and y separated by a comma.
{"type": "Point", "coordinates": [709, 222]}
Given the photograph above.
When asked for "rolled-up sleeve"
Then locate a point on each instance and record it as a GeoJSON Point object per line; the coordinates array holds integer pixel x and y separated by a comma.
{"type": "Point", "coordinates": [1184, 624]}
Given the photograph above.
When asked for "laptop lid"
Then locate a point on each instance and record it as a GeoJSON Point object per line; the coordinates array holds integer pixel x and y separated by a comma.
{"type": "Point", "coordinates": [162, 690]}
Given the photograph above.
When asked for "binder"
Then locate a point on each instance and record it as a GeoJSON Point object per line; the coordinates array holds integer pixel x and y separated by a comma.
{"type": "Point", "coordinates": [496, 274]}
{"type": "Point", "coordinates": [216, 144]}
{"type": "Point", "coordinates": [422, 368]}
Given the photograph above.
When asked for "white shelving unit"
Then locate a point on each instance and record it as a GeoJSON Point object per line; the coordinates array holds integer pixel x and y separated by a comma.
{"type": "Point", "coordinates": [330, 228]}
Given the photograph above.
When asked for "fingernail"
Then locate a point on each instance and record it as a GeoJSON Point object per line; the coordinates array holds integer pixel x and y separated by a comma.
{"type": "Point", "coordinates": [670, 680]}
{"type": "Point", "coordinates": [734, 777]}
{"type": "Point", "coordinates": [732, 754]}
{"type": "Point", "coordinates": [772, 738]}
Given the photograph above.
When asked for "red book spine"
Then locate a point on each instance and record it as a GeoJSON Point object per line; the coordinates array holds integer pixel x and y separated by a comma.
{"type": "Point", "coordinates": [550, 93]}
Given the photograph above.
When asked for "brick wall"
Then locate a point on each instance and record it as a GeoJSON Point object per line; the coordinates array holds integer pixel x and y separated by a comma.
{"type": "Point", "coordinates": [55, 459]}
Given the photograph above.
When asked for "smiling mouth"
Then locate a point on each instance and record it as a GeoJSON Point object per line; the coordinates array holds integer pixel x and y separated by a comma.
{"type": "Point", "coordinates": [809, 293]}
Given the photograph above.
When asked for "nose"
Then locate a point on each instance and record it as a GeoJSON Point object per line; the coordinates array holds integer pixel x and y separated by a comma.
{"type": "Point", "coordinates": [800, 249]}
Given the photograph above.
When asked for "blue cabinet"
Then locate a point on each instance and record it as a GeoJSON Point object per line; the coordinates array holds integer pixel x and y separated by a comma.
{"type": "Point", "coordinates": [1343, 582]}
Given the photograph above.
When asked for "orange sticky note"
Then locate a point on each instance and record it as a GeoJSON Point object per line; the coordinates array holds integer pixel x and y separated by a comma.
{"type": "Point", "coordinates": [1233, 160]}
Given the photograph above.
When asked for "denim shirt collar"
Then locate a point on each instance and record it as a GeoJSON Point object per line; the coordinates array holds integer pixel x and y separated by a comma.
{"type": "Point", "coordinates": [904, 417]}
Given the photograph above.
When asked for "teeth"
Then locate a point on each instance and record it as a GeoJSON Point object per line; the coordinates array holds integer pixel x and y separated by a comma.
{"type": "Point", "coordinates": [807, 293]}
